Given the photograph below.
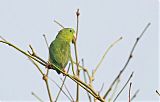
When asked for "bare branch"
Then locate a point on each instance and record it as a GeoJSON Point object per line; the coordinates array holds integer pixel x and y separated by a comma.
{"type": "Point", "coordinates": [135, 94]}
{"type": "Point", "coordinates": [3, 39]}
{"type": "Point", "coordinates": [107, 50]}
{"type": "Point", "coordinates": [62, 90]}
{"type": "Point", "coordinates": [101, 89]}
{"type": "Point", "coordinates": [59, 24]}
{"type": "Point", "coordinates": [67, 90]}
{"type": "Point", "coordinates": [62, 85]}
{"type": "Point", "coordinates": [123, 87]}
{"type": "Point", "coordinates": [45, 78]}
{"type": "Point", "coordinates": [114, 90]}
{"type": "Point", "coordinates": [45, 38]}
{"type": "Point", "coordinates": [127, 62]}
{"type": "Point", "coordinates": [76, 54]}
{"type": "Point", "coordinates": [85, 80]}
{"type": "Point", "coordinates": [38, 98]}
{"type": "Point", "coordinates": [35, 55]}
{"type": "Point", "coordinates": [36, 65]}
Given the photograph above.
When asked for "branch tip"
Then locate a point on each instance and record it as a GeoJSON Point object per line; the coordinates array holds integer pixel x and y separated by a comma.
{"type": "Point", "coordinates": [77, 13]}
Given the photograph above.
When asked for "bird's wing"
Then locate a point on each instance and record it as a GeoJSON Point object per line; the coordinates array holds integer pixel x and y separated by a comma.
{"type": "Point", "coordinates": [59, 53]}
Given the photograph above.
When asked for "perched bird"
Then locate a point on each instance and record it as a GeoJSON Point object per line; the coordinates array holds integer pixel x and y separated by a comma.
{"type": "Point", "coordinates": [59, 49]}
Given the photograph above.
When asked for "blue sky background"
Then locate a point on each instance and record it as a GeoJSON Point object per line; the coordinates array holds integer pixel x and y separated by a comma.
{"type": "Point", "coordinates": [23, 22]}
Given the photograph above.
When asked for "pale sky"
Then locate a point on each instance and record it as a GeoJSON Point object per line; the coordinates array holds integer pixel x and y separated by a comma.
{"type": "Point", "coordinates": [23, 22]}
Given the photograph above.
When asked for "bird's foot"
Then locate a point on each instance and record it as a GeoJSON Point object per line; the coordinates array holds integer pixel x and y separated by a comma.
{"type": "Point", "coordinates": [64, 72]}
{"type": "Point", "coordinates": [48, 65]}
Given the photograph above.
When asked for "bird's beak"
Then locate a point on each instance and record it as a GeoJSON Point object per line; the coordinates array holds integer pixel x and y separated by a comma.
{"type": "Point", "coordinates": [74, 38]}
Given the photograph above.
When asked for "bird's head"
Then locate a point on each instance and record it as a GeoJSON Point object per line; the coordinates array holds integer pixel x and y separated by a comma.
{"type": "Point", "coordinates": [67, 34]}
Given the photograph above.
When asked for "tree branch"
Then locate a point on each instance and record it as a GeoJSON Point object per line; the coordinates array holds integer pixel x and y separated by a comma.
{"type": "Point", "coordinates": [76, 54]}
{"type": "Point", "coordinates": [85, 80]}
{"type": "Point", "coordinates": [101, 60]}
{"type": "Point", "coordinates": [59, 24]}
{"type": "Point", "coordinates": [127, 62]}
{"type": "Point", "coordinates": [123, 87]}
{"type": "Point", "coordinates": [62, 85]}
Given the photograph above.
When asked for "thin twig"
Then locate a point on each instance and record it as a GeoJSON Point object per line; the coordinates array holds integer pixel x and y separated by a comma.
{"type": "Point", "coordinates": [135, 94]}
{"type": "Point", "coordinates": [123, 87]}
{"type": "Point", "coordinates": [95, 70]}
{"type": "Point", "coordinates": [59, 88]}
{"type": "Point", "coordinates": [59, 23]}
{"type": "Point", "coordinates": [77, 15]}
{"type": "Point", "coordinates": [45, 38]}
{"type": "Point", "coordinates": [67, 90]}
{"type": "Point", "coordinates": [114, 90]}
{"type": "Point", "coordinates": [101, 89]}
{"type": "Point", "coordinates": [157, 92]}
{"type": "Point", "coordinates": [25, 53]}
{"type": "Point", "coordinates": [72, 64]}
{"type": "Point", "coordinates": [127, 62]}
{"type": "Point", "coordinates": [45, 78]}
{"type": "Point", "coordinates": [35, 55]}
{"type": "Point", "coordinates": [107, 50]}
{"type": "Point", "coordinates": [38, 98]}
{"type": "Point", "coordinates": [85, 80]}
{"type": "Point", "coordinates": [62, 85]}
{"type": "Point", "coordinates": [36, 65]}
{"type": "Point", "coordinates": [76, 54]}
{"type": "Point", "coordinates": [130, 92]}
{"type": "Point", "coordinates": [3, 39]}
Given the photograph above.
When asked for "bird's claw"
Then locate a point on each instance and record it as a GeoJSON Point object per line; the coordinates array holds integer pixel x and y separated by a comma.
{"type": "Point", "coordinates": [64, 72]}
{"type": "Point", "coordinates": [48, 65]}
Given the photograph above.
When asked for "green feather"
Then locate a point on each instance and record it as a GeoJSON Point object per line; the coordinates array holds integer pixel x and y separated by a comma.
{"type": "Point", "coordinates": [59, 50]}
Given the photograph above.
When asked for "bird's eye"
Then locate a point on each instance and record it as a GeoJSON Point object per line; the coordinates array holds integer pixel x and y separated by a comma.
{"type": "Point", "coordinates": [70, 30]}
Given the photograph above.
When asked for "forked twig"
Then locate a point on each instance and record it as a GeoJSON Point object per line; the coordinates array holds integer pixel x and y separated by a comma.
{"type": "Point", "coordinates": [127, 62]}
{"type": "Point", "coordinates": [67, 90]}
{"type": "Point", "coordinates": [45, 78]}
{"type": "Point", "coordinates": [85, 80]}
{"type": "Point", "coordinates": [114, 91]}
{"type": "Point", "coordinates": [123, 87]}
{"type": "Point", "coordinates": [62, 84]}
{"type": "Point", "coordinates": [101, 60]}
{"type": "Point", "coordinates": [59, 88]}
{"type": "Point", "coordinates": [101, 89]}
{"type": "Point", "coordinates": [35, 55]}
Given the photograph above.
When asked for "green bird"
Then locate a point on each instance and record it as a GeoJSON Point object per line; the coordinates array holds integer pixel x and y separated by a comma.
{"type": "Point", "coordinates": [59, 49]}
